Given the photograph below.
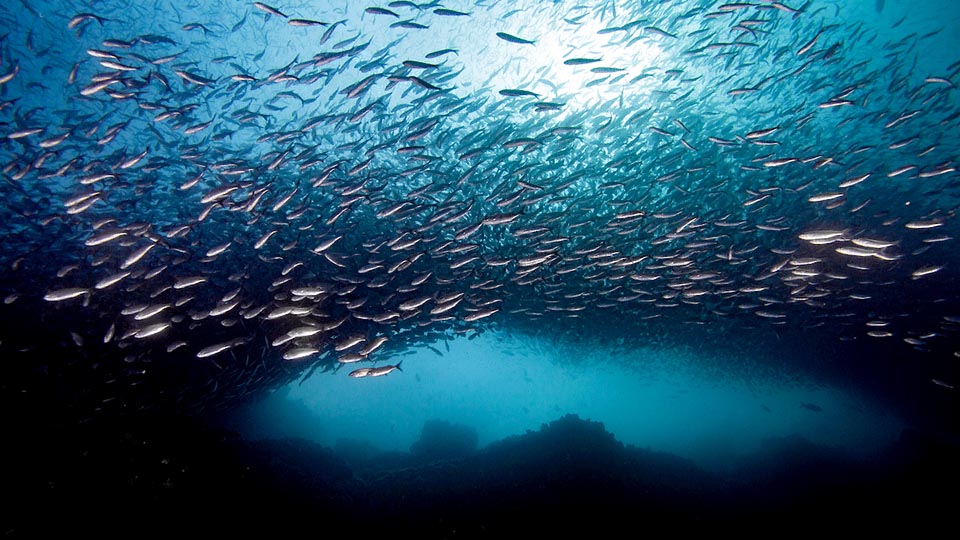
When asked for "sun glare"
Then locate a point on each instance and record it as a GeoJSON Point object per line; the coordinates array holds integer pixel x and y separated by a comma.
{"type": "Point", "coordinates": [583, 65]}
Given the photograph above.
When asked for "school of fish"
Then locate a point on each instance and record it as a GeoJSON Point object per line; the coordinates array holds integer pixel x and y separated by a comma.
{"type": "Point", "coordinates": [196, 210]}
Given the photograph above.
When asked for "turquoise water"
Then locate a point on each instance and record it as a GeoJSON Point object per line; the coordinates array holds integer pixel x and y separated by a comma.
{"type": "Point", "coordinates": [656, 399]}
{"type": "Point", "coordinates": [724, 230]}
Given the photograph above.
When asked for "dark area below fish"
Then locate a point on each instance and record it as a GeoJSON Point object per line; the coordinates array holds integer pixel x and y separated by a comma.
{"type": "Point", "coordinates": [239, 204]}
{"type": "Point", "coordinates": [170, 475]}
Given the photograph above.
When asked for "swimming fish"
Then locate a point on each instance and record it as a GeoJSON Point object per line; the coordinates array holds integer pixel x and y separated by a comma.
{"type": "Point", "coordinates": [213, 208]}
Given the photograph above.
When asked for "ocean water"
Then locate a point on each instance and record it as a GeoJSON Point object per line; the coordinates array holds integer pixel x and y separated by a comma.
{"type": "Point", "coordinates": [478, 268]}
{"type": "Point", "coordinates": [653, 398]}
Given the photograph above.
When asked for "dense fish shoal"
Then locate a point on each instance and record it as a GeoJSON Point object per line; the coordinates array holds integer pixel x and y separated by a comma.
{"type": "Point", "coordinates": [201, 205]}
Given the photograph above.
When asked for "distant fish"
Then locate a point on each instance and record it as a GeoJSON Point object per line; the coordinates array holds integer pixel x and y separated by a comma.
{"type": "Point", "coordinates": [323, 193]}
{"type": "Point", "coordinates": [925, 271]}
{"type": "Point", "coordinates": [269, 9]}
{"type": "Point", "coordinates": [450, 12]}
{"type": "Point", "coordinates": [384, 370]}
{"type": "Point", "coordinates": [581, 61]}
{"type": "Point", "coordinates": [514, 39]}
{"type": "Point", "coordinates": [811, 407]}
{"type": "Point", "coordinates": [65, 294]}
{"type": "Point", "coordinates": [381, 11]}
{"type": "Point", "coordinates": [212, 350]}
{"type": "Point", "coordinates": [8, 76]}
{"type": "Point", "coordinates": [306, 22]}
{"type": "Point", "coordinates": [359, 373]}
{"type": "Point", "coordinates": [299, 353]}
{"type": "Point", "coordinates": [513, 92]}
{"type": "Point", "coordinates": [375, 372]}
{"type": "Point", "coordinates": [80, 18]}
{"type": "Point", "coordinates": [414, 64]}
{"type": "Point", "coordinates": [440, 52]}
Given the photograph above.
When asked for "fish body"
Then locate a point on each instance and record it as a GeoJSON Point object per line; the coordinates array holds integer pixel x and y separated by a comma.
{"type": "Point", "coordinates": [514, 39]}
{"type": "Point", "coordinates": [231, 204]}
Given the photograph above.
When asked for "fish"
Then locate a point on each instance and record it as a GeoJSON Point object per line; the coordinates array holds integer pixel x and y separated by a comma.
{"type": "Point", "coordinates": [926, 271]}
{"type": "Point", "coordinates": [246, 203]}
{"type": "Point", "coordinates": [269, 9]}
{"type": "Point", "coordinates": [360, 373]}
{"type": "Point", "coordinates": [514, 39]}
{"type": "Point", "coordinates": [514, 92]}
{"type": "Point", "coordinates": [68, 293]}
{"type": "Point", "coordinates": [306, 22]}
{"type": "Point", "coordinates": [373, 345]}
{"type": "Point", "coordinates": [413, 64]}
{"type": "Point", "coordinates": [821, 235]}
{"type": "Point", "coordinates": [81, 18]}
{"type": "Point", "coordinates": [376, 371]}
{"type": "Point", "coordinates": [10, 74]}
{"type": "Point", "coordinates": [152, 330]}
{"type": "Point", "coordinates": [444, 12]}
{"type": "Point", "coordinates": [300, 353]}
{"type": "Point", "coordinates": [581, 61]}
{"type": "Point", "coordinates": [374, 10]}
{"type": "Point", "coordinates": [441, 52]}
{"type": "Point", "coordinates": [215, 349]}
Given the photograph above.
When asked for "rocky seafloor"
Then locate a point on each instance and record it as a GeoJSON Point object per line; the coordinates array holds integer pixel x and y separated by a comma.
{"type": "Point", "coordinates": [162, 476]}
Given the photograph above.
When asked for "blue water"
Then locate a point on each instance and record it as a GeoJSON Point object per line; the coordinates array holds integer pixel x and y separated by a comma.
{"type": "Point", "coordinates": [653, 398]}
{"type": "Point", "coordinates": [685, 248]}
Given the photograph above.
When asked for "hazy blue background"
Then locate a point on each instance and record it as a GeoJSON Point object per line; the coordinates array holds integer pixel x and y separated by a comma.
{"type": "Point", "coordinates": [657, 397]}
{"type": "Point", "coordinates": [504, 386]}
